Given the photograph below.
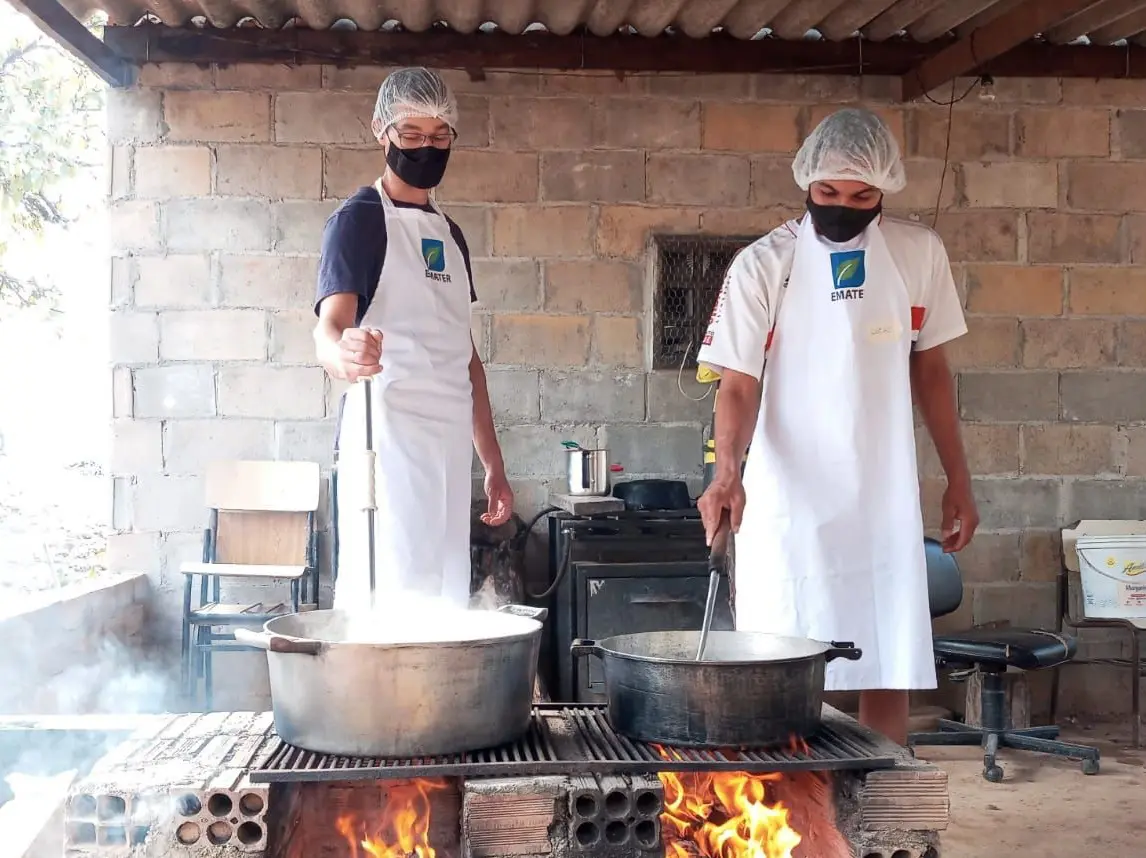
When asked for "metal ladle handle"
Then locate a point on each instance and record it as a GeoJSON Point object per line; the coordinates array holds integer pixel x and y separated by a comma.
{"type": "Point", "coordinates": [717, 563]}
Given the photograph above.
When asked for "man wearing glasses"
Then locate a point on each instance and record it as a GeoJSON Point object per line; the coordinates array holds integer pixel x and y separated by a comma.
{"type": "Point", "coordinates": [395, 287]}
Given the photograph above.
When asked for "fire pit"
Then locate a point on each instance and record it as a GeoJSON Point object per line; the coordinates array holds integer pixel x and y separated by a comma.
{"type": "Point", "coordinates": [223, 784]}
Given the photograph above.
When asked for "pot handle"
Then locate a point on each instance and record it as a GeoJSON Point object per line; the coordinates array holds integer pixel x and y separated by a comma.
{"type": "Point", "coordinates": [842, 649]}
{"type": "Point", "coordinates": [527, 611]}
{"type": "Point", "coordinates": [581, 647]}
{"type": "Point", "coordinates": [277, 643]}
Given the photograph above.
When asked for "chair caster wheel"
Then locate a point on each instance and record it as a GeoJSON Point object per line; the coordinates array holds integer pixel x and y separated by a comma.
{"type": "Point", "coordinates": [994, 774]}
{"type": "Point", "coordinates": [1090, 767]}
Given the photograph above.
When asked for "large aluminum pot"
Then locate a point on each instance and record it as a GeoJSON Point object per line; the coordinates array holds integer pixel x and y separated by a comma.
{"type": "Point", "coordinates": [453, 684]}
{"type": "Point", "coordinates": [751, 690]}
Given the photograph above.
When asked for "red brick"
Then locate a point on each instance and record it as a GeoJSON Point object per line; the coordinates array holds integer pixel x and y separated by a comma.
{"type": "Point", "coordinates": [1109, 187]}
{"type": "Point", "coordinates": [541, 123]}
{"type": "Point", "coordinates": [593, 286]}
{"type": "Point", "coordinates": [275, 172]}
{"type": "Point", "coordinates": [1011, 184]}
{"type": "Point", "coordinates": [1108, 291]}
{"type": "Point", "coordinates": [709, 180]}
{"type": "Point", "coordinates": [218, 117]}
{"type": "Point", "coordinates": [540, 340]}
{"type": "Point", "coordinates": [1065, 449]}
{"type": "Point", "coordinates": [624, 231]}
{"type": "Point", "coordinates": [543, 231]}
{"type": "Point", "coordinates": [647, 124]}
{"type": "Point", "coordinates": [975, 134]}
{"type": "Point", "coordinates": [989, 342]}
{"type": "Point", "coordinates": [1015, 290]}
{"type": "Point", "coordinates": [617, 341]}
{"type": "Point", "coordinates": [1067, 343]}
{"type": "Point", "coordinates": [1062, 133]}
{"type": "Point", "coordinates": [982, 236]}
{"type": "Point", "coordinates": [751, 127]}
{"type": "Point", "coordinates": [594, 176]}
{"type": "Point", "coordinates": [494, 177]}
{"type": "Point", "coordinates": [1064, 238]}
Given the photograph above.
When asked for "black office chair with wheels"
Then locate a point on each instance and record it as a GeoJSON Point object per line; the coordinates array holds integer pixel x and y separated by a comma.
{"type": "Point", "coordinates": [990, 653]}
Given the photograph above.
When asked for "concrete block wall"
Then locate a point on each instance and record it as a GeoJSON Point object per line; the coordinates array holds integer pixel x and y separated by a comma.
{"type": "Point", "coordinates": [223, 177]}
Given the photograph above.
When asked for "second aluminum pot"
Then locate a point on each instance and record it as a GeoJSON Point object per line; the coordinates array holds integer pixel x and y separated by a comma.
{"type": "Point", "coordinates": [459, 686]}
{"type": "Point", "coordinates": [751, 690]}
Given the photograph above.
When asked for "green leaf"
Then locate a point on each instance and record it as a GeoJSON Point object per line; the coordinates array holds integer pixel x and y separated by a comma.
{"type": "Point", "coordinates": [846, 270]}
{"type": "Point", "coordinates": [433, 254]}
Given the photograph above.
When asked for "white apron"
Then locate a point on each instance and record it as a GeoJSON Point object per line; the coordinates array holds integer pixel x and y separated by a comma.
{"type": "Point", "coordinates": [423, 424]}
{"type": "Point", "coordinates": [831, 544]}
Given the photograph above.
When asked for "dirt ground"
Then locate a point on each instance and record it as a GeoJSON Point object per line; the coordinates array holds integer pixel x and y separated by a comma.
{"type": "Point", "coordinates": [1045, 806]}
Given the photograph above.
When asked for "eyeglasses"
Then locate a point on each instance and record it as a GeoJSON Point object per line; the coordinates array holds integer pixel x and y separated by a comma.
{"type": "Point", "coordinates": [415, 140]}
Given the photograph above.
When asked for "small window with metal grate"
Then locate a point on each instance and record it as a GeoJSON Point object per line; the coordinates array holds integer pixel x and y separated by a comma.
{"type": "Point", "coordinates": [689, 272]}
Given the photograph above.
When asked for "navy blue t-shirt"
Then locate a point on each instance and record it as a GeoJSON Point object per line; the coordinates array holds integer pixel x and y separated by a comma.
{"type": "Point", "coordinates": [354, 248]}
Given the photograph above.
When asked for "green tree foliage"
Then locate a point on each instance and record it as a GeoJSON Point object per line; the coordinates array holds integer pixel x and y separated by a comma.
{"type": "Point", "coordinates": [51, 122]}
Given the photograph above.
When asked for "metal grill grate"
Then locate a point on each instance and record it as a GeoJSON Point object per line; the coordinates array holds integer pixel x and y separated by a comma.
{"type": "Point", "coordinates": [689, 274]}
{"type": "Point", "coordinates": [570, 740]}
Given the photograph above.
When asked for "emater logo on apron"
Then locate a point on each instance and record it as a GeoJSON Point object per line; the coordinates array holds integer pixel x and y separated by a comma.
{"type": "Point", "coordinates": [434, 255]}
{"type": "Point", "coordinates": [848, 275]}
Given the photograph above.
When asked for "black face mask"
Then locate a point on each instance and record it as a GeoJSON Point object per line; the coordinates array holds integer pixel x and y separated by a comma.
{"type": "Point", "coordinates": [841, 223]}
{"type": "Point", "coordinates": [420, 168]}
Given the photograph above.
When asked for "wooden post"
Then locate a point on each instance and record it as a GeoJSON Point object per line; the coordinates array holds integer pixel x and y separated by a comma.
{"type": "Point", "coordinates": [1018, 700]}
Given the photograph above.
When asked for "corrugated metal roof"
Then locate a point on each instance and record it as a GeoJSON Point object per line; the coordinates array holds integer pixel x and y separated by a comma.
{"type": "Point", "coordinates": [1106, 21]}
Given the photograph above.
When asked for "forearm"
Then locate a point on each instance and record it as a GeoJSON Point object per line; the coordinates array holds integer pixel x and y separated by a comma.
{"type": "Point", "coordinates": [737, 403]}
{"type": "Point", "coordinates": [485, 435]}
{"type": "Point", "coordinates": [327, 333]}
{"type": "Point", "coordinates": [933, 387]}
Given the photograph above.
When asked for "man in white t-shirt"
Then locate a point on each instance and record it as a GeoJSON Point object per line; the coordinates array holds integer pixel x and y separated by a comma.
{"type": "Point", "coordinates": [852, 310]}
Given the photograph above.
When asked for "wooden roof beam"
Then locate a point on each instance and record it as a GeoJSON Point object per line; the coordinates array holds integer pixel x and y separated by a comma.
{"type": "Point", "coordinates": [988, 42]}
{"type": "Point", "coordinates": [61, 26]}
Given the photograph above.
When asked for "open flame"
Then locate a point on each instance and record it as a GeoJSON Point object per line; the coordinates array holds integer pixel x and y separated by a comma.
{"type": "Point", "coordinates": [724, 815]}
{"type": "Point", "coordinates": [401, 829]}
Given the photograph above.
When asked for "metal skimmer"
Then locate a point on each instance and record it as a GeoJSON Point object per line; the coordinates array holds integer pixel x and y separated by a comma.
{"type": "Point", "coordinates": [577, 739]}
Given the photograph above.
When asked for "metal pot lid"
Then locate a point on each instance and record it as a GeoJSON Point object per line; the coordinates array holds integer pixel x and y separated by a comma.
{"type": "Point", "coordinates": [392, 627]}
{"type": "Point", "coordinates": [723, 647]}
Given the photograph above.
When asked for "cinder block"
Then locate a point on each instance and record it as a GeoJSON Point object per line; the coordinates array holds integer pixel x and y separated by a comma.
{"type": "Point", "coordinates": [1067, 449]}
{"type": "Point", "coordinates": [245, 76]}
{"type": "Point", "coordinates": [536, 451]}
{"type": "Point", "coordinates": [1108, 291]}
{"type": "Point", "coordinates": [594, 176]}
{"type": "Point", "coordinates": [647, 123]}
{"type": "Point", "coordinates": [347, 170]}
{"type": "Point", "coordinates": [1059, 237]}
{"type": "Point", "coordinates": [703, 180]}
{"type": "Point", "coordinates": [1107, 91]}
{"type": "Point", "coordinates": [1059, 132]}
{"type": "Point", "coordinates": [745, 127]}
{"type": "Point", "coordinates": [292, 336]}
{"type": "Point", "coordinates": [540, 340]}
{"type": "Point", "coordinates": [1029, 606]}
{"type": "Point", "coordinates": [215, 335]}
{"type": "Point", "coordinates": [980, 236]}
{"type": "Point", "coordinates": [133, 337]}
{"type": "Point", "coordinates": [978, 135]}
{"type": "Point", "coordinates": [988, 343]}
{"type": "Point", "coordinates": [298, 226]}
{"type": "Point", "coordinates": [625, 231]}
{"type": "Point", "coordinates": [305, 440]}
{"type": "Point", "coordinates": [289, 393]}
{"type": "Point", "coordinates": [131, 552]}
{"type": "Point", "coordinates": [134, 227]}
{"type": "Point", "coordinates": [1106, 186]}
{"type": "Point", "coordinates": [173, 281]}
{"type": "Point", "coordinates": [474, 222]}
{"type": "Point", "coordinates": [773, 183]}
{"type": "Point", "coordinates": [185, 390]}
{"type": "Point", "coordinates": [510, 816]}
{"type": "Point", "coordinates": [218, 117]}
{"type": "Point", "coordinates": [519, 122]}
{"type": "Point", "coordinates": [176, 76]}
{"type": "Point", "coordinates": [655, 451]}
{"type": "Point", "coordinates": [121, 161]}
{"type": "Point", "coordinates": [122, 392]}
{"type": "Point", "coordinates": [473, 122]}
{"type": "Point", "coordinates": [546, 231]}
{"type": "Point", "coordinates": [1067, 343]}
{"type": "Point", "coordinates": [1011, 184]}
{"type": "Point", "coordinates": [991, 558]}
{"type": "Point", "coordinates": [618, 341]}
{"type": "Point", "coordinates": [1009, 395]}
{"type": "Point", "coordinates": [593, 396]}
{"type": "Point", "coordinates": [136, 446]}
{"type": "Point", "coordinates": [507, 284]}
{"type": "Point", "coordinates": [190, 445]}
{"type": "Point", "coordinates": [1020, 290]}
{"type": "Point", "coordinates": [514, 395]}
{"type": "Point", "coordinates": [594, 83]}
{"type": "Point", "coordinates": [1017, 503]}
{"type": "Point", "coordinates": [162, 502]}
{"type": "Point", "coordinates": [1131, 339]}
{"type": "Point", "coordinates": [668, 404]}
{"type": "Point", "coordinates": [273, 282]}
{"type": "Point", "coordinates": [493, 177]}
{"type": "Point", "coordinates": [324, 117]}
{"type": "Point", "coordinates": [1108, 397]}
{"type": "Point", "coordinates": [208, 224]}
{"type": "Point", "coordinates": [593, 285]}
{"type": "Point", "coordinates": [134, 116]}
{"type": "Point", "coordinates": [172, 171]}
{"type": "Point", "coordinates": [122, 282]}
{"type": "Point", "coordinates": [274, 172]}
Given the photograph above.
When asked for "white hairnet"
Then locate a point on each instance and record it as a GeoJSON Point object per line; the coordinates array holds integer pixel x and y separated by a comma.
{"type": "Point", "coordinates": [415, 92]}
{"type": "Point", "coordinates": [854, 145]}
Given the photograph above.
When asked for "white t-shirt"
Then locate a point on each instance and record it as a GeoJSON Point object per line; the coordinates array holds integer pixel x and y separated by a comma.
{"type": "Point", "coordinates": [740, 329]}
